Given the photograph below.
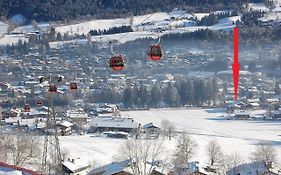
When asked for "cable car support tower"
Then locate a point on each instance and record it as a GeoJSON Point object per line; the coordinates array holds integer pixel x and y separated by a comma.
{"type": "Point", "coordinates": [52, 159]}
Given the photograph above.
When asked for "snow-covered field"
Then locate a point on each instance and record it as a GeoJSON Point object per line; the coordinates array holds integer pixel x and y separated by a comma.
{"type": "Point", "coordinates": [12, 39]}
{"type": "Point", "coordinates": [258, 7]}
{"type": "Point", "coordinates": [3, 28]}
{"type": "Point", "coordinates": [203, 125]}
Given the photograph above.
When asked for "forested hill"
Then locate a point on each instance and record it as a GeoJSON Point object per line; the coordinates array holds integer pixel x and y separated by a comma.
{"type": "Point", "coordinates": [53, 10]}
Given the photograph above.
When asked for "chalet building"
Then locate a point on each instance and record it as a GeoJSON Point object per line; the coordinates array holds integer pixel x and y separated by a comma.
{"type": "Point", "coordinates": [114, 124]}
{"type": "Point", "coordinates": [120, 135]}
{"type": "Point", "coordinates": [242, 115]}
{"type": "Point", "coordinates": [77, 116]}
{"type": "Point", "coordinates": [75, 166]}
{"type": "Point", "coordinates": [151, 130]}
{"type": "Point", "coordinates": [194, 168]}
{"type": "Point", "coordinates": [65, 128]}
{"type": "Point", "coordinates": [253, 103]}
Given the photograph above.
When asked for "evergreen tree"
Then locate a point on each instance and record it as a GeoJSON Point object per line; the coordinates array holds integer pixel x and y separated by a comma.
{"type": "Point", "coordinates": [155, 96]}
{"type": "Point", "coordinates": [277, 89]}
{"type": "Point", "coordinates": [126, 99]}
{"type": "Point", "coordinates": [199, 92]}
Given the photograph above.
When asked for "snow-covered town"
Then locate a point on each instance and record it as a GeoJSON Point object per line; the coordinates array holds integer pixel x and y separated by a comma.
{"type": "Point", "coordinates": [140, 88]}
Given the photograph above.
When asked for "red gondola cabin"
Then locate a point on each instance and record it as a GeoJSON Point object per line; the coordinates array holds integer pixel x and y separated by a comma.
{"type": "Point", "coordinates": [26, 108]}
{"type": "Point", "coordinates": [52, 89]}
{"type": "Point", "coordinates": [39, 102]}
{"type": "Point", "coordinates": [116, 62]}
{"type": "Point", "coordinates": [73, 86]}
{"type": "Point", "coordinates": [154, 52]}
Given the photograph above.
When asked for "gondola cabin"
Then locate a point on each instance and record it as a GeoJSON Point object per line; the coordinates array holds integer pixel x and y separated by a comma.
{"type": "Point", "coordinates": [154, 52]}
{"type": "Point", "coordinates": [26, 108]}
{"type": "Point", "coordinates": [39, 103]}
{"type": "Point", "coordinates": [52, 89]}
{"type": "Point", "coordinates": [116, 62]}
{"type": "Point", "coordinates": [73, 86]}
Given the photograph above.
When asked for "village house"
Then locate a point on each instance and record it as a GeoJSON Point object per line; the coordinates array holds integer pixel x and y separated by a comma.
{"type": "Point", "coordinates": [75, 166]}
{"type": "Point", "coordinates": [114, 124]}
{"type": "Point", "coordinates": [78, 116]}
{"type": "Point", "coordinates": [65, 128]}
{"type": "Point", "coordinates": [119, 168]}
{"type": "Point", "coordinates": [151, 130]}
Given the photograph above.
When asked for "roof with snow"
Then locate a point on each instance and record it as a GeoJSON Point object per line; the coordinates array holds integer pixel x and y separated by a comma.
{"type": "Point", "coordinates": [76, 165]}
{"type": "Point", "coordinates": [150, 125]}
{"type": "Point", "coordinates": [110, 169]}
{"type": "Point", "coordinates": [66, 124]}
{"type": "Point", "coordinates": [114, 123]}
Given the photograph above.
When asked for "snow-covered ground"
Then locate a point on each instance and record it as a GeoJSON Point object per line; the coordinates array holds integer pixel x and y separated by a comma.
{"type": "Point", "coordinates": [30, 28]}
{"type": "Point", "coordinates": [203, 125]}
{"type": "Point", "coordinates": [258, 7]}
{"type": "Point", "coordinates": [12, 39]}
{"type": "Point", "coordinates": [3, 28]}
{"type": "Point", "coordinates": [272, 16]}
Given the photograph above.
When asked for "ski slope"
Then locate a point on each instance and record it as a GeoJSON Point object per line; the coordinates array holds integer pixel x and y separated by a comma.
{"type": "Point", "coordinates": [203, 126]}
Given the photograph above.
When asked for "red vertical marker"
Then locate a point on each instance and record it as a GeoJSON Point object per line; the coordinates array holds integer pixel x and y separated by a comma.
{"type": "Point", "coordinates": [235, 65]}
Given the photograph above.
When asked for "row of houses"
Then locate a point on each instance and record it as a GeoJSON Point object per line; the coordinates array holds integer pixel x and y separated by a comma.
{"type": "Point", "coordinates": [127, 167]}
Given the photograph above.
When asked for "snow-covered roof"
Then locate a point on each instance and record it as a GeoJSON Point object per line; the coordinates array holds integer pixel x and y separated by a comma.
{"type": "Point", "coordinates": [255, 104]}
{"type": "Point", "coordinates": [248, 168]}
{"type": "Point", "coordinates": [66, 124]}
{"type": "Point", "coordinates": [78, 115]}
{"type": "Point", "coordinates": [114, 122]}
{"type": "Point", "coordinates": [150, 125]}
{"type": "Point", "coordinates": [272, 100]}
{"type": "Point", "coordinates": [12, 119]}
{"type": "Point", "coordinates": [76, 165]}
{"type": "Point", "coordinates": [229, 72]}
{"type": "Point", "coordinates": [253, 100]}
{"type": "Point", "coordinates": [110, 169]}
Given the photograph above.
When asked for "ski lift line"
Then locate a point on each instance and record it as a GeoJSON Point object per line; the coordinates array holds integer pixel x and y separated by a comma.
{"type": "Point", "coordinates": [140, 23]}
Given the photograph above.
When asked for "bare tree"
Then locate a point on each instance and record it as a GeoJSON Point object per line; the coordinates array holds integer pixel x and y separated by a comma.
{"type": "Point", "coordinates": [20, 149]}
{"type": "Point", "coordinates": [266, 153]}
{"type": "Point", "coordinates": [142, 154]}
{"type": "Point", "coordinates": [35, 24]}
{"type": "Point", "coordinates": [5, 145]}
{"type": "Point", "coordinates": [234, 160]}
{"type": "Point", "coordinates": [25, 149]}
{"type": "Point", "coordinates": [186, 148]}
{"type": "Point", "coordinates": [215, 153]}
{"type": "Point", "coordinates": [168, 128]}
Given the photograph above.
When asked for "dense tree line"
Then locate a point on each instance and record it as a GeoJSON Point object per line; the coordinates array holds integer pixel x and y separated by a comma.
{"type": "Point", "coordinates": [190, 92]}
{"type": "Point", "coordinates": [214, 18]}
{"type": "Point", "coordinates": [112, 30]}
{"type": "Point", "coordinates": [72, 9]}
